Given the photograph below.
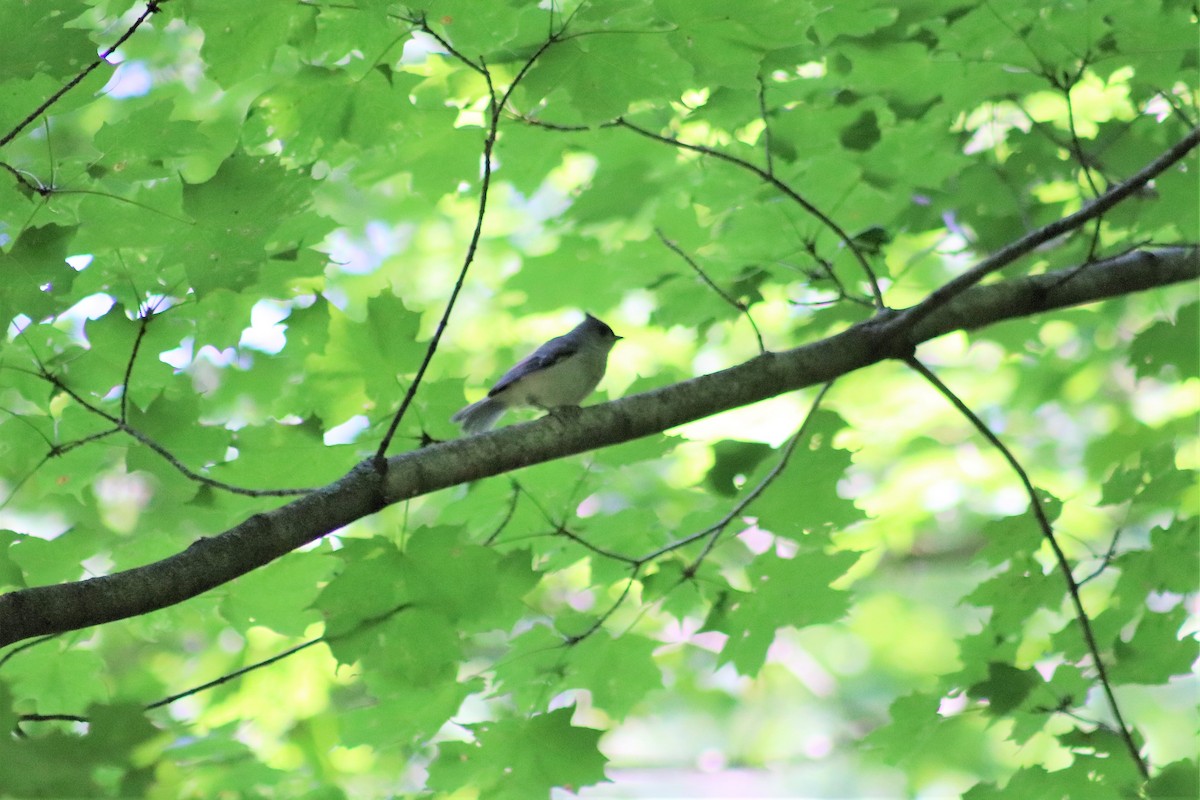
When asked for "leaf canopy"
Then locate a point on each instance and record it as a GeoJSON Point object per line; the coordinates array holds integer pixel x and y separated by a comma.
{"type": "Point", "coordinates": [233, 244]}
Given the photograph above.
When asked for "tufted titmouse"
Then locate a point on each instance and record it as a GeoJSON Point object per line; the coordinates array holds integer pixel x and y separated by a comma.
{"type": "Point", "coordinates": [561, 372]}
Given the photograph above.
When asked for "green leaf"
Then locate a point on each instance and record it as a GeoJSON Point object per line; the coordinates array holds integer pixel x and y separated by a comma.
{"type": "Point", "coordinates": [38, 278]}
{"type": "Point", "coordinates": [1169, 344]}
{"type": "Point", "coordinates": [252, 41]}
{"type": "Point", "coordinates": [805, 497]}
{"type": "Point", "coordinates": [521, 758]}
{"type": "Point", "coordinates": [1175, 780]}
{"type": "Point", "coordinates": [364, 592]}
{"type": "Point", "coordinates": [617, 671]}
{"type": "Point", "coordinates": [1006, 687]}
{"type": "Point", "coordinates": [731, 460]}
{"type": "Point", "coordinates": [284, 456]}
{"type": "Point", "coordinates": [785, 591]}
{"type": "Point", "coordinates": [473, 586]}
{"type": "Point", "coordinates": [1017, 592]}
{"type": "Point", "coordinates": [373, 353]}
{"type": "Point", "coordinates": [41, 23]}
{"type": "Point", "coordinates": [404, 715]}
{"type": "Point", "coordinates": [855, 18]}
{"type": "Point", "coordinates": [1008, 537]}
{"type": "Point", "coordinates": [1155, 652]}
{"type": "Point", "coordinates": [726, 49]}
{"type": "Point", "coordinates": [45, 562]}
{"type": "Point", "coordinates": [273, 595]}
{"type": "Point", "coordinates": [409, 651]}
{"type": "Point", "coordinates": [64, 680]}
{"type": "Point", "coordinates": [251, 209]}
{"type": "Point", "coordinates": [1038, 783]}
{"type": "Point", "coordinates": [476, 31]}
{"type": "Point", "coordinates": [600, 76]}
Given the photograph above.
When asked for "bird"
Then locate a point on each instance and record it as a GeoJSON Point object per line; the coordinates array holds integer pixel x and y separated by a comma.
{"type": "Point", "coordinates": [559, 374]}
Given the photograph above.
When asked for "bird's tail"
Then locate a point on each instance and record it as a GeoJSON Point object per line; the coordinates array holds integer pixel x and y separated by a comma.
{"type": "Point", "coordinates": [479, 417]}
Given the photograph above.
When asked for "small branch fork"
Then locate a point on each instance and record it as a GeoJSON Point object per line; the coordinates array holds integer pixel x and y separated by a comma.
{"type": "Point", "coordinates": [768, 177]}
{"type": "Point", "coordinates": [710, 535]}
{"type": "Point", "coordinates": [120, 424]}
{"type": "Point", "coordinates": [496, 106]}
{"type": "Point", "coordinates": [732, 301]}
{"type": "Point", "coordinates": [1010, 253]}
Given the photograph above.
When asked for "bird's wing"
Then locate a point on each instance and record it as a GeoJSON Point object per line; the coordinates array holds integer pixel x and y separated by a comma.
{"type": "Point", "coordinates": [544, 357]}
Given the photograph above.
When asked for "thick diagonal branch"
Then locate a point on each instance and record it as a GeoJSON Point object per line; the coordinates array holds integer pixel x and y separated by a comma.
{"type": "Point", "coordinates": [211, 562]}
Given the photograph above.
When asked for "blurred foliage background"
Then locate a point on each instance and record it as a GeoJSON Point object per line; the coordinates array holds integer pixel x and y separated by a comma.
{"type": "Point", "coordinates": [227, 249]}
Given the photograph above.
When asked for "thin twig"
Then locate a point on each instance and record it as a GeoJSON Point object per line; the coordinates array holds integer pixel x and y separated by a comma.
{"type": "Point", "coordinates": [166, 701]}
{"type": "Point", "coordinates": [37, 188]}
{"type": "Point", "coordinates": [1176, 109]}
{"type": "Point", "coordinates": [52, 191]}
{"type": "Point", "coordinates": [514, 498]}
{"type": "Point", "coordinates": [767, 481]}
{"type": "Point", "coordinates": [291, 651]}
{"type": "Point", "coordinates": [1083, 159]}
{"type": "Point", "coordinates": [495, 108]}
{"type": "Point", "coordinates": [541, 509]}
{"type": "Point", "coordinates": [1076, 144]}
{"type": "Point", "coordinates": [27, 645]}
{"type": "Point", "coordinates": [151, 8]}
{"type": "Point", "coordinates": [365, 623]}
{"type": "Point", "coordinates": [762, 112]}
{"type": "Point", "coordinates": [713, 531]}
{"type": "Point", "coordinates": [1064, 566]}
{"type": "Point", "coordinates": [780, 185]}
{"type": "Point", "coordinates": [144, 322]}
{"type": "Point", "coordinates": [51, 718]}
{"type": "Point", "coordinates": [163, 452]}
{"type": "Point", "coordinates": [54, 451]}
{"type": "Point", "coordinates": [738, 304]}
{"type": "Point", "coordinates": [22, 481]}
{"type": "Point", "coordinates": [811, 247]}
{"type": "Point", "coordinates": [554, 126]}
{"type": "Point", "coordinates": [595, 548]}
{"type": "Point", "coordinates": [1106, 561]}
{"type": "Point", "coordinates": [576, 639]}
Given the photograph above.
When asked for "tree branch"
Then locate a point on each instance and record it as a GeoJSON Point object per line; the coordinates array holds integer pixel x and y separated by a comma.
{"type": "Point", "coordinates": [1010, 253]}
{"type": "Point", "coordinates": [210, 562]}
{"type": "Point", "coordinates": [1060, 558]}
